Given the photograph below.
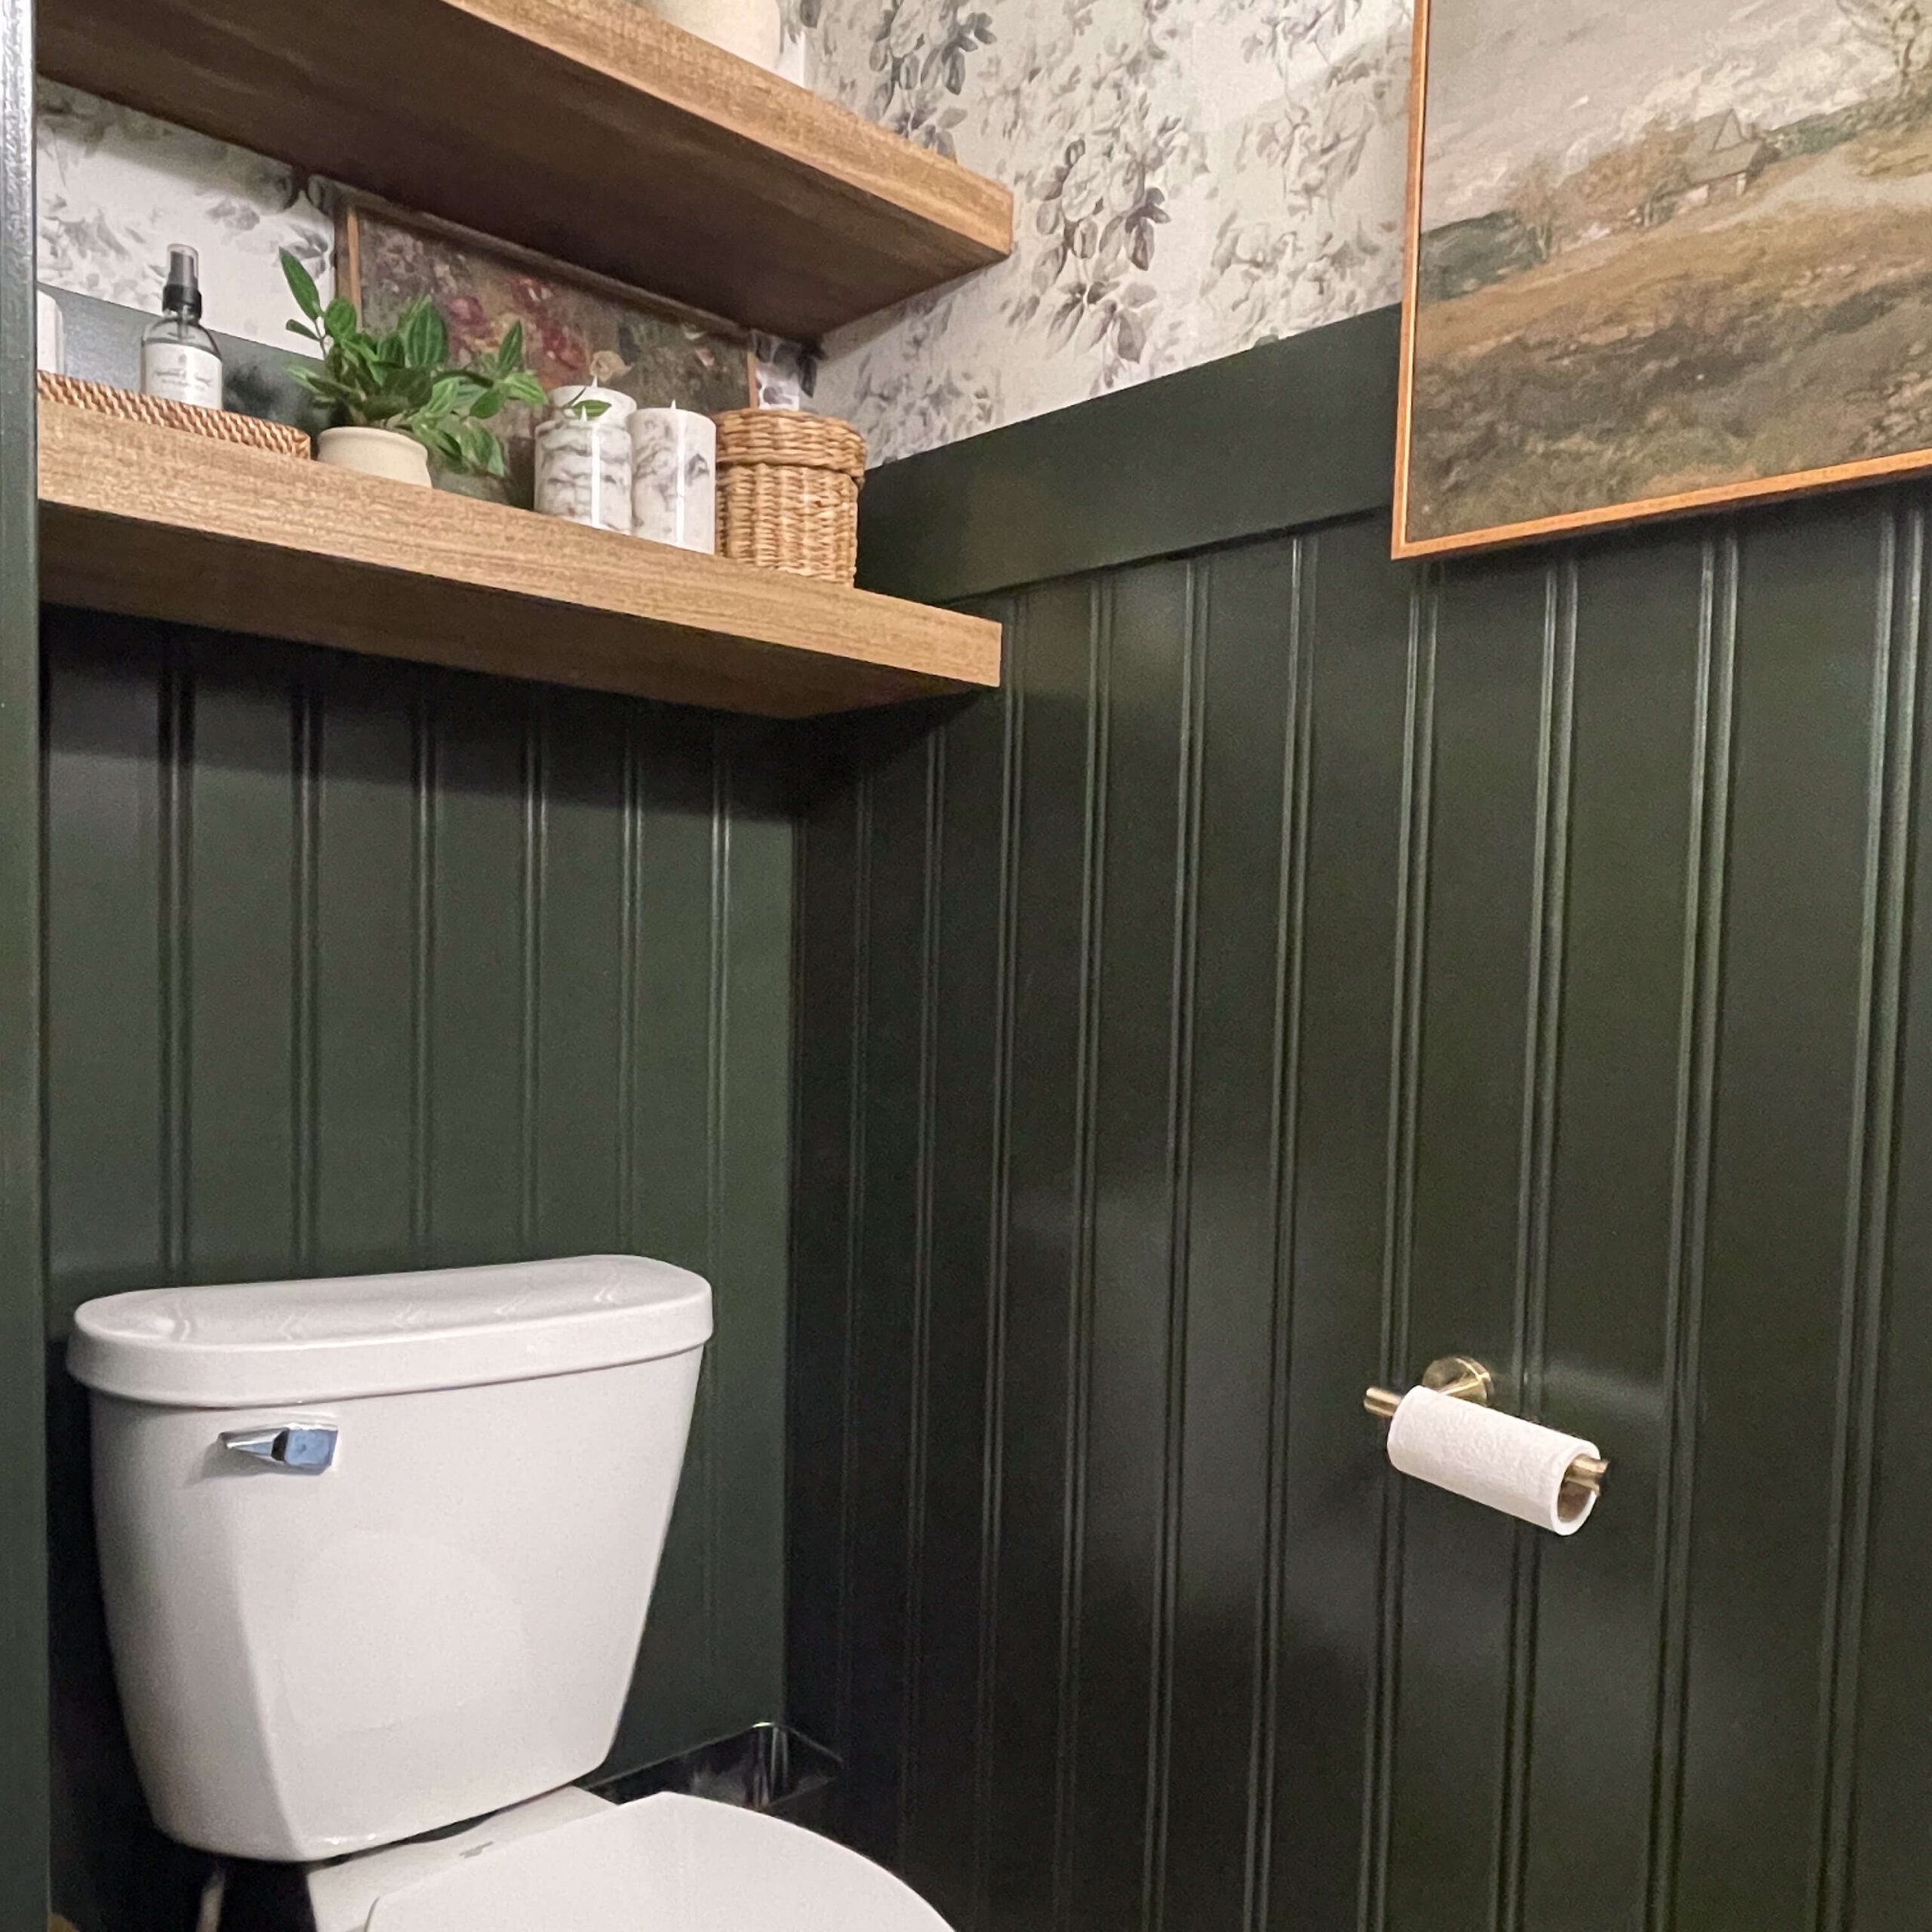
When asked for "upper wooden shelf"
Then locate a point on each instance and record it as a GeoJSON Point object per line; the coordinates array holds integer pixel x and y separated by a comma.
{"type": "Point", "coordinates": [153, 522]}
{"type": "Point", "coordinates": [589, 129]}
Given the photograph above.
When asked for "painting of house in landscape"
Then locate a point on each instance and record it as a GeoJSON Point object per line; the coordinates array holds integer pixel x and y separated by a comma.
{"type": "Point", "coordinates": [1663, 255]}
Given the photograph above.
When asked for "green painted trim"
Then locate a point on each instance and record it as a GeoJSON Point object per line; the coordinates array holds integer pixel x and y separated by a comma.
{"type": "Point", "coordinates": [1279, 437]}
{"type": "Point", "coordinates": [24, 1707]}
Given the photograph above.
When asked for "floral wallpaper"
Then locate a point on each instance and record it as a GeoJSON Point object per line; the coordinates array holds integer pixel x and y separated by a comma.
{"type": "Point", "coordinates": [115, 188]}
{"type": "Point", "coordinates": [1190, 177]}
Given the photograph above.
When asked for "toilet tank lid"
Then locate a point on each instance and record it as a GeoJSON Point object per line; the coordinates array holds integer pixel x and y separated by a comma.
{"type": "Point", "coordinates": [220, 1348]}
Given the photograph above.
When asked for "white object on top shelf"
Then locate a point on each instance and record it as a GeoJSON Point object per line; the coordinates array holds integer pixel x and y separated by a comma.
{"type": "Point", "coordinates": [753, 29]}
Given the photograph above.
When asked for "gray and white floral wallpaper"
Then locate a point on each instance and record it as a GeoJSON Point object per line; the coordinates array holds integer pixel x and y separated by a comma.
{"type": "Point", "coordinates": [1190, 177]}
{"type": "Point", "coordinates": [115, 188]}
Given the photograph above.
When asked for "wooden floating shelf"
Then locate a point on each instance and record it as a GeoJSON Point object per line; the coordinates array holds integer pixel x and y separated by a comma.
{"type": "Point", "coordinates": [152, 522]}
{"type": "Point", "coordinates": [589, 129]}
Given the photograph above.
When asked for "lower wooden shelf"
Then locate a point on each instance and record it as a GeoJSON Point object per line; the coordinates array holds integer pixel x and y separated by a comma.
{"type": "Point", "coordinates": [151, 522]}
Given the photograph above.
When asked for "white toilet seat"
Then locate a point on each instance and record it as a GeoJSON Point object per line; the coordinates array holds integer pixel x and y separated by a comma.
{"type": "Point", "coordinates": [667, 1863]}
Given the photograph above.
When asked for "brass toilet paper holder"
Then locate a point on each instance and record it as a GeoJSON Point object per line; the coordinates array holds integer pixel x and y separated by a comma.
{"type": "Point", "coordinates": [1468, 1380]}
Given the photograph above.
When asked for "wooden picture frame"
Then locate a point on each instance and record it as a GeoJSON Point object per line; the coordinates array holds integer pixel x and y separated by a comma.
{"type": "Point", "coordinates": [578, 325]}
{"type": "Point", "coordinates": [354, 207]}
{"type": "Point", "coordinates": [1409, 541]}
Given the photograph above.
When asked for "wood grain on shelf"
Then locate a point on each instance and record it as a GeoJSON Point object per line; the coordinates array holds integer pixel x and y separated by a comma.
{"type": "Point", "coordinates": [151, 523]}
{"type": "Point", "coordinates": [589, 129]}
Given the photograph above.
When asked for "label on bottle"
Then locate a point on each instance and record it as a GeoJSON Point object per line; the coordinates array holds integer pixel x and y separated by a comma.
{"type": "Point", "coordinates": [181, 373]}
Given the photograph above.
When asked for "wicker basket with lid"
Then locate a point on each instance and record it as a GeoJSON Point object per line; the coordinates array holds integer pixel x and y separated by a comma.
{"type": "Point", "coordinates": [788, 491]}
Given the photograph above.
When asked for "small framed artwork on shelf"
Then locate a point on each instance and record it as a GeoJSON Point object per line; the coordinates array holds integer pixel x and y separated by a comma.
{"type": "Point", "coordinates": [579, 328]}
{"type": "Point", "coordinates": [1662, 257]}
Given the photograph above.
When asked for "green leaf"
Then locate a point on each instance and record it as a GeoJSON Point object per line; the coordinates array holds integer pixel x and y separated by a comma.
{"type": "Point", "coordinates": [319, 384]}
{"type": "Point", "coordinates": [444, 395]}
{"type": "Point", "coordinates": [522, 386]}
{"type": "Point", "coordinates": [425, 340]}
{"type": "Point", "coordinates": [438, 442]}
{"type": "Point", "coordinates": [302, 286]}
{"type": "Point", "coordinates": [384, 406]}
{"type": "Point", "coordinates": [509, 351]}
{"type": "Point", "coordinates": [415, 384]}
{"type": "Point", "coordinates": [302, 330]}
{"type": "Point", "coordinates": [481, 450]}
{"type": "Point", "coordinates": [488, 403]}
{"type": "Point", "coordinates": [339, 318]}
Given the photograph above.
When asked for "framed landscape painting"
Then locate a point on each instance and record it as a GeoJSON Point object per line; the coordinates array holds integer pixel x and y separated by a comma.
{"type": "Point", "coordinates": [1661, 255]}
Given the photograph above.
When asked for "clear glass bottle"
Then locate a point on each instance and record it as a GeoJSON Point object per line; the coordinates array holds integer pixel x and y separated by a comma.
{"type": "Point", "coordinates": [179, 358]}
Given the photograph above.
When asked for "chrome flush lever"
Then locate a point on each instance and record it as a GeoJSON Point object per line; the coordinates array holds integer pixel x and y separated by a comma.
{"type": "Point", "coordinates": [307, 1447]}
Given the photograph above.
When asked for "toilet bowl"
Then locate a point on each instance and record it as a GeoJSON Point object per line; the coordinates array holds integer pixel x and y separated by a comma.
{"type": "Point", "coordinates": [376, 1554]}
{"type": "Point", "coordinates": [667, 1863]}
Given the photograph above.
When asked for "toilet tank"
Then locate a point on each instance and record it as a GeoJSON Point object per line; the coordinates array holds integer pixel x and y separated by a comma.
{"type": "Point", "coordinates": [376, 1551]}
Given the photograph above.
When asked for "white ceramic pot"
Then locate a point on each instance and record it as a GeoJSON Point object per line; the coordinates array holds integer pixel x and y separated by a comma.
{"type": "Point", "coordinates": [583, 463]}
{"type": "Point", "coordinates": [753, 29]}
{"type": "Point", "coordinates": [376, 452]}
{"type": "Point", "coordinates": [674, 480]}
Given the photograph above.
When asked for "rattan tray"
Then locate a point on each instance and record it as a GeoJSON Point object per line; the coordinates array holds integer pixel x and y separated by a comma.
{"type": "Point", "coordinates": [223, 425]}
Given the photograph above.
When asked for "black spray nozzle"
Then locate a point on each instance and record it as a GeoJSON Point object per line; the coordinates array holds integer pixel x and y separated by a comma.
{"type": "Point", "coordinates": [183, 291]}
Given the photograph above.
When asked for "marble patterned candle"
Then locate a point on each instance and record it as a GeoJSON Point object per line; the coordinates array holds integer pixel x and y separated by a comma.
{"type": "Point", "coordinates": [584, 461]}
{"type": "Point", "coordinates": [674, 483]}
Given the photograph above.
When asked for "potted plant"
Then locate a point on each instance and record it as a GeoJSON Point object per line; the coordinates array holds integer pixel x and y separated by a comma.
{"type": "Point", "coordinates": [399, 398]}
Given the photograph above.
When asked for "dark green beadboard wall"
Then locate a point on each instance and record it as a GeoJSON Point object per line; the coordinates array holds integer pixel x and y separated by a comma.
{"type": "Point", "coordinates": [354, 966]}
{"type": "Point", "coordinates": [1305, 968]}
{"type": "Point", "coordinates": [23, 1628]}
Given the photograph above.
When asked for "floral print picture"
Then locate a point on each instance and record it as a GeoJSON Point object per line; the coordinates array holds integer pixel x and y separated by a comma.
{"type": "Point", "coordinates": [574, 330]}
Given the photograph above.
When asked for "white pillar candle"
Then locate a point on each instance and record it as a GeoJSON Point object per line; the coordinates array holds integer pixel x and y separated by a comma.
{"type": "Point", "coordinates": [674, 483]}
{"type": "Point", "coordinates": [583, 462]}
{"type": "Point", "coordinates": [753, 29]}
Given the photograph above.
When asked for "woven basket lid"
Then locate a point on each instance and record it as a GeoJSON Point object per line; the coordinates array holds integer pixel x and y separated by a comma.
{"type": "Point", "coordinates": [793, 437]}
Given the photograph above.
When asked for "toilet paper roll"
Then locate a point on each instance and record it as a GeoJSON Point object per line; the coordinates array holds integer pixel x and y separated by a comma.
{"type": "Point", "coordinates": [1499, 1460]}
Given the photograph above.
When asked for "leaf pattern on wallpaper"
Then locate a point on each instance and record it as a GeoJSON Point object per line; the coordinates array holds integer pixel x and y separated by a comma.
{"type": "Point", "coordinates": [115, 188]}
{"type": "Point", "coordinates": [1190, 177]}
{"type": "Point", "coordinates": [918, 62]}
{"type": "Point", "coordinates": [1314, 239]}
{"type": "Point", "coordinates": [1099, 205]}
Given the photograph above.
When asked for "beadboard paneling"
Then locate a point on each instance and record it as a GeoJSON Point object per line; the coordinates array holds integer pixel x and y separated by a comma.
{"type": "Point", "coordinates": [351, 968]}
{"type": "Point", "coordinates": [1304, 967]}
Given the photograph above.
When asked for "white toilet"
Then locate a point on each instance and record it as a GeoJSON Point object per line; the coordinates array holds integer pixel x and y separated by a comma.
{"type": "Point", "coordinates": [375, 1553]}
